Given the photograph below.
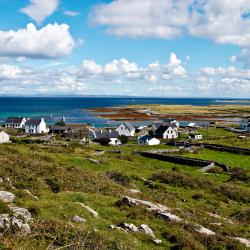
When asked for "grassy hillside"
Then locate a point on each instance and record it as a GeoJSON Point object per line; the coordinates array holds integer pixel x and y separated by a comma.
{"type": "Point", "coordinates": [62, 176]}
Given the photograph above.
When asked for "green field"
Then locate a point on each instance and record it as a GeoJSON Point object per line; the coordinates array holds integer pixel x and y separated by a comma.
{"type": "Point", "coordinates": [62, 176]}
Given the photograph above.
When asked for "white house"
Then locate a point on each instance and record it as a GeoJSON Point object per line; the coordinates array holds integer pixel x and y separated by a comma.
{"type": "Point", "coordinates": [15, 122]}
{"type": "Point", "coordinates": [126, 129]}
{"type": "Point", "coordinates": [36, 126]}
{"type": "Point", "coordinates": [172, 121]}
{"type": "Point", "coordinates": [148, 140]}
{"type": "Point", "coordinates": [4, 137]}
{"type": "Point", "coordinates": [245, 124]}
{"type": "Point", "coordinates": [195, 136]}
{"type": "Point", "coordinates": [115, 142]}
{"type": "Point", "coordinates": [167, 132]}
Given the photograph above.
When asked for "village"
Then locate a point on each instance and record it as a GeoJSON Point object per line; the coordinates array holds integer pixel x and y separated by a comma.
{"type": "Point", "coordinates": [156, 133]}
{"type": "Point", "coordinates": [133, 181]}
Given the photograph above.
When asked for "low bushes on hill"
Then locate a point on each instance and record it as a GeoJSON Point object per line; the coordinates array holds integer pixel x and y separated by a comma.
{"type": "Point", "coordinates": [179, 178]}
{"type": "Point", "coordinates": [240, 174]}
{"type": "Point", "coordinates": [120, 178]}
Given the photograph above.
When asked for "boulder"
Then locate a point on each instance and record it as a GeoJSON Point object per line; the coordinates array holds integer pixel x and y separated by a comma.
{"type": "Point", "coordinates": [128, 227]}
{"type": "Point", "coordinates": [243, 241]}
{"type": "Point", "coordinates": [93, 212]}
{"type": "Point", "coordinates": [157, 241]}
{"type": "Point", "coordinates": [78, 219]}
{"type": "Point", "coordinates": [147, 230]}
{"type": "Point", "coordinates": [21, 212]}
{"type": "Point", "coordinates": [170, 217]}
{"type": "Point", "coordinates": [7, 197]}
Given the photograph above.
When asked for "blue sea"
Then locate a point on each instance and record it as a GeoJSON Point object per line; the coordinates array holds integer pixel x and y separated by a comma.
{"type": "Point", "coordinates": [74, 108]}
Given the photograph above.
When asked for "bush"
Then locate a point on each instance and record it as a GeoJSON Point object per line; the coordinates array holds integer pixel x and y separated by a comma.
{"type": "Point", "coordinates": [178, 178]}
{"type": "Point", "coordinates": [103, 141]}
{"type": "Point", "coordinates": [120, 178]}
{"type": "Point", "coordinates": [124, 139]}
{"type": "Point", "coordinates": [4, 209]}
{"type": "Point", "coordinates": [239, 174]}
{"type": "Point", "coordinates": [54, 185]}
{"type": "Point", "coordinates": [242, 216]}
{"type": "Point", "coordinates": [234, 193]}
{"type": "Point", "coordinates": [197, 197]}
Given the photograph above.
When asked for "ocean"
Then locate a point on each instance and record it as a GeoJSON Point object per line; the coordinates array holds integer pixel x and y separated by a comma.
{"type": "Point", "coordinates": [74, 109]}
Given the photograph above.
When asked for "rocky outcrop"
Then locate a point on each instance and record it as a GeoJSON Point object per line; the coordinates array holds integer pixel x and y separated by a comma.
{"type": "Point", "coordinates": [7, 197]}
{"type": "Point", "coordinates": [226, 220]}
{"type": "Point", "coordinates": [20, 212]}
{"type": "Point", "coordinates": [93, 212]}
{"type": "Point", "coordinates": [8, 222]}
{"type": "Point", "coordinates": [147, 230]}
{"type": "Point", "coordinates": [243, 241]}
{"type": "Point", "coordinates": [78, 219]}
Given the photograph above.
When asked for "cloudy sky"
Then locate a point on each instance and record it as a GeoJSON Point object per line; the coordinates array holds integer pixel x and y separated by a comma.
{"type": "Point", "coordinates": [184, 48]}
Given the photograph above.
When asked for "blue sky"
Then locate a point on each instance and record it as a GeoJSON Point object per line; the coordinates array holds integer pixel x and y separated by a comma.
{"type": "Point", "coordinates": [125, 47]}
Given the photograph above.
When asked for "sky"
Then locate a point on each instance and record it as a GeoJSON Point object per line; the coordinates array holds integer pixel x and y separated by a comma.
{"type": "Point", "coordinates": [163, 48]}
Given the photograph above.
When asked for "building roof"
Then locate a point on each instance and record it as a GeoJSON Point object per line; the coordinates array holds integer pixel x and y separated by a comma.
{"type": "Point", "coordinates": [106, 134]}
{"type": "Point", "coordinates": [169, 120]}
{"type": "Point", "coordinates": [14, 119]}
{"type": "Point", "coordinates": [129, 126]}
{"type": "Point", "coordinates": [34, 121]}
{"type": "Point", "coordinates": [145, 138]}
{"type": "Point", "coordinates": [161, 130]}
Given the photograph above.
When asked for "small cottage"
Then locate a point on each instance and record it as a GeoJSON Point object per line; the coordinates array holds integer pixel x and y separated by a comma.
{"type": "Point", "coordinates": [167, 132]}
{"type": "Point", "coordinates": [4, 137]}
{"type": "Point", "coordinates": [195, 136]}
{"type": "Point", "coordinates": [148, 140]}
{"type": "Point", "coordinates": [15, 122]}
{"type": "Point", "coordinates": [245, 124]}
{"type": "Point", "coordinates": [36, 126]}
{"type": "Point", "coordinates": [126, 129]}
{"type": "Point", "coordinates": [109, 135]}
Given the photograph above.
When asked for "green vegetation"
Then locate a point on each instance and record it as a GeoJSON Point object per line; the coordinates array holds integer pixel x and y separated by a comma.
{"type": "Point", "coordinates": [62, 176]}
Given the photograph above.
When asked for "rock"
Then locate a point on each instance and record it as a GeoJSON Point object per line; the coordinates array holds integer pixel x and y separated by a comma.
{"type": "Point", "coordinates": [78, 219]}
{"type": "Point", "coordinates": [157, 241]}
{"type": "Point", "coordinates": [7, 222]}
{"type": "Point", "coordinates": [128, 227]}
{"type": "Point", "coordinates": [26, 228]}
{"type": "Point", "coordinates": [30, 194]}
{"type": "Point", "coordinates": [1, 180]}
{"type": "Point", "coordinates": [118, 228]}
{"type": "Point", "coordinates": [147, 230]}
{"type": "Point", "coordinates": [19, 223]}
{"type": "Point", "coordinates": [93, 212]}
{"type": "Point", "coordinates": [169, 216]}
{"type": "Point", "coordinates": [216, 224]}
{"type": "Point", "coordinates": [7, 197]}
{"type": "Point", "coordinates": [134, 191]}
{"type": "Point", "coordinates": [21, 212]}
{"type": "Point", "coordinates": [203, 230]}
{"type": "Point", "coordinates": [246, 242]}
{"type": "Point", "coordinates": [151, 206]}
{"type": "Point", "coordinates": [94, 161]}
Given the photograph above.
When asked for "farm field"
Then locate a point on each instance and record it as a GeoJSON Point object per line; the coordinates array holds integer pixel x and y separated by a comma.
{"type": "Point", "coordinates": [99, 176]}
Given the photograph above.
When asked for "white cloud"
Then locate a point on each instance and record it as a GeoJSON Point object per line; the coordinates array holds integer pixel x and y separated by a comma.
{"type": "Point", "coordinates": [39, 10]}
{"type": "Point", "coordinates": [90, 67]}
{"type": "Point", "coordinates": [51, 41]}
{"type": "Point", "coordinates": [71, 13]}
{"type": "Point", "coordinates": [9, 72]}
{"type": "Point", "coordinates": [174, 68]}
{"type": "Point", "coordinates": [223, 21]}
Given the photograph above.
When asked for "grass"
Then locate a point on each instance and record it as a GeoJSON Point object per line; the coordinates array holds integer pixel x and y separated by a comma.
{"type": "Point", "coordinates": [62, 176]}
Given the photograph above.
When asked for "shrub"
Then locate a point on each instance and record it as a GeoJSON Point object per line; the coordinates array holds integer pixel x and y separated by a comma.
{"type": "Point", "coordinates": [54, 185]}
{"type": "Point", "coordinates": [103, 141]}
{"type": "Point", "coordinates": [4, 209]}
{"type": "Point", "coordinates": [124, 139]}
{"type": "Point", "coordinates": [178, 178]}
{"type": "Point", "coordinates": [239, 174]}
{"type": "Point", "coordinates": [242, 216]}
{"type": "Point", "coordinates": [234, 193]}
{"type": "Point", "coordinates": [120, 178]}
{"type": "Point", "coordinates": [197, 197]}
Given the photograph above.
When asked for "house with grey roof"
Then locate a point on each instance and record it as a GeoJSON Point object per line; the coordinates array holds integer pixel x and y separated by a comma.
{"type": "Point", "coordinates": [36, 126]}
{"type": "Point", "coordinates": [148, 140]}
{"type": "Point", "coordinates": [15, 122]}
{"type": "Point", "coordinates": [111, 135]}
{"type": "Point", "coordinates": [126, 128]}
{"type": "Point", "coordinates": [169, 131]}
{"type": "Point", "coordinates": [245, 124]}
